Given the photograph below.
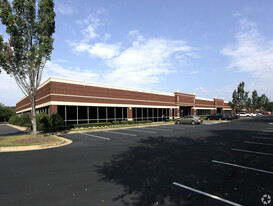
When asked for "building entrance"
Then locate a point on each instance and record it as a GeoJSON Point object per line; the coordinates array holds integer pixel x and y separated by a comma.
{"type": "Point", "coordinates": [219, 110]}
{"type": "Point", "coordinates": [185, 111]}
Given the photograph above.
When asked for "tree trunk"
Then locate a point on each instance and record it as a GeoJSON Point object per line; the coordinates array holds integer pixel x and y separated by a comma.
{"type": "Point", "coordinates": [34, 122]}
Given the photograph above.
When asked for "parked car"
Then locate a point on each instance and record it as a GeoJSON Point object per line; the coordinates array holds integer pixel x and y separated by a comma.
{"type": "Point", "coordinates": [189, 119]}
{"type": "Point", "coordinates": [243, 114]}
{"type": "Point", "coordinates": [217, 116]}
{"type": "Point", "coordinates": [266, 113]}
{"type": "Point", "coordinates": [228, 117]}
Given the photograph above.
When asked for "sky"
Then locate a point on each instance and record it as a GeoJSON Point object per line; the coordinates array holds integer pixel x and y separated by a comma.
{"type": "Point", "coordinates": [202, 47]}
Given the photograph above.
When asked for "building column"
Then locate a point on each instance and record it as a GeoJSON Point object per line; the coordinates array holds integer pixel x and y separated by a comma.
{"type": "Point", "coordinates": [170, 113]}
{"type": "Point", "coordinates": [193, 111]}
{"type": "Point", "coordinates": [130, 114]}
{"type": "Point", "coordinates": [53, 109]}
{"type": "Point", "coordinates": [176, 113]}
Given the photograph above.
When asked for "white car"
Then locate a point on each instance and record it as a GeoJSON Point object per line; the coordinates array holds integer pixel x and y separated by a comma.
{"type": "Point", "coordinates": [243, 114]}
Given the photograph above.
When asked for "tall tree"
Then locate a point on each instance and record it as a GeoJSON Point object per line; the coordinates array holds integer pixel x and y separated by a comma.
{"type": "Point", "coordinates": [30, 27]}
{"type": "Point", "coordinates": [249, 104]}
{"type": "Point", "coordinates": [255, 100]}
{"type": "Point", "coordinates": [264, 102]}
{"type": "Point", "coordinates": [6, 112]}
{"type": "Point", "coordinates": [239, 98]}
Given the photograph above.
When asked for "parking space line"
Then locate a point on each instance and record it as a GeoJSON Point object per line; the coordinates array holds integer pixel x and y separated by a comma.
{"type": "Point", "coordinates": [244, 167]}
{"type": "Point", "coordinates": [250, 151]}
{"type": "Point", "coordinates": [158, 129]}
{"type": "Point", "coordinates": [206, 194]}
{"type": "Point", "coordinates": [262, 137]}
{"type": "Point", "coordinates": [174, 128]}
{"type": "Point", "coordinates": [141, 131]}
{"type": "Point", "coordinates": [266, 130]}
{"type": "Point", "coordinates": [120, 133]}
{"type": "Point", "coordinates": [248, 142]}
{"type": "Point", "coordinates": [263, 133]}
{"type": "Point", "coordinates": [105, 138]}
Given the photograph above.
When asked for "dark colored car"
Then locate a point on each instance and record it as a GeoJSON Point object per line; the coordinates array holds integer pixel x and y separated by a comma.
{"type": "Point", "coordinates": [217, 116]}
{"type": "Point", "coordinates": [228, 117]}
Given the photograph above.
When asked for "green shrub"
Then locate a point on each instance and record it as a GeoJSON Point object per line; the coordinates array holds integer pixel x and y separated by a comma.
{"type": "Point", "coordinates": [143, 121]}
{"type": "Point", "coordinates": [42, 121]}
{"type": "Point", "coordinates": [15, 120]}
{"type": "Point", "coordinates": [115, 122]}
{"type": "Point", "coordinates": [169, 120]}
{"type": "Point", "coordinates": [99, 124]}
{"type": "Point", "coordinates": [123, 122]}
{"type": "Point", "coordinates": [58, 128]}
{"type": "Point", "coordinates": [56, 120]}
{"type": "Point", "coordinates": [24, 120]}
{"type": "Point", "coordinates": [130, 122]}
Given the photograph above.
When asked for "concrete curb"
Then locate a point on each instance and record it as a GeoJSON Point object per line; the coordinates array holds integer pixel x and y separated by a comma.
{"type": "Point", "coordinates": [63, 142]}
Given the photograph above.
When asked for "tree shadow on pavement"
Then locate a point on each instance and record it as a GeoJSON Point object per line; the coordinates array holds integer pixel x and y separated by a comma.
{"type": "Point", "coordinates": [148, 170]}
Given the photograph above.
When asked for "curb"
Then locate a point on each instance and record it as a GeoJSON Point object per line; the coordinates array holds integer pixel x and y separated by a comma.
{"type": "Point", "coordinates": [63, 142]}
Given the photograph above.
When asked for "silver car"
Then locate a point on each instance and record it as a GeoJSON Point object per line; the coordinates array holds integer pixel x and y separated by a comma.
{"type": "Point", "coordinates": [189, 119]}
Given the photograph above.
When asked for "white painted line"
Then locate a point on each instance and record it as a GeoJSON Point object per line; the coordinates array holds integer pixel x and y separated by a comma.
{"type": "Point", "coordinates": [261, 137]}
{"type": "Point", "coordinates": [248, 142]}
{"type": "Point", "coordinates": [266, 130]}
{"type": "Point", "coordinates": [120, 133]}
{"type": "Point", "coordinates": [95, 136]}
{"type": "Point", "coordinates": [175, 128]}
{"type": "Point", "coordinates": [140, 131]}
{"type": "Point", "coordinates": [206, 194]}
{"type": "Point", "coordinates": [263, 133]}
{"type": "Point", "coordinates": [157, 129]}
{"type": "Point", "coordinates": [249, 151]}
{"type": "Point", "coordinates": [240, 166]}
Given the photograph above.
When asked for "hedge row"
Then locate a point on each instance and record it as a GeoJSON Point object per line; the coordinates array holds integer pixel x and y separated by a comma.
{"type": "Point", "coordinates": [23, 120]}
{"type": "Point", "coordinates": [44, 122]}
{"type": "Point", "coordinates": [100, 124]}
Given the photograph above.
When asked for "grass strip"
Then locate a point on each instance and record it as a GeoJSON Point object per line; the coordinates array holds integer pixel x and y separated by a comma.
{"type": "Point", "coordinates": [27, 140]}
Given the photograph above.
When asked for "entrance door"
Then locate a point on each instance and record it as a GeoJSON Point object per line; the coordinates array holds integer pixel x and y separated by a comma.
{"type": "Point", "coordinates": [185, 111]}
{"type": "Point", "coordinates": [219, 110]}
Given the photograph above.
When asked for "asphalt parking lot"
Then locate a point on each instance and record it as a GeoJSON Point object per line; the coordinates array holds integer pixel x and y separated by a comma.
{"type": "Point", "coordinates": [211, 164]}
{"type": "Point", "coordinates": [9, 131]}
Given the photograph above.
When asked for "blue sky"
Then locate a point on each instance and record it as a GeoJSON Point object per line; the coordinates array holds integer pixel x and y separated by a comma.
{"type": "Point", "coordinates": [202, 47]}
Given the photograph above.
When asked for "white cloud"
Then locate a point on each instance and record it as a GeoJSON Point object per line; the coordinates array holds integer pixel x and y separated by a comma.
{"type": "Point", "coordinates": [54, 69]}
{"type": "Point", "coordinates": [65, 9]}
{"type": "Point", "coordinates": [144, 62]}
{"type": "Point", "coordinates": [194, 72]}
{"type": "Point", "coordinates": [89, 32]}
{"type": "Point", "coordinates": [8, 86]}
{"type": "Point", "coordinates": [136, 34]}
{"type": "Point", "coordinates": [222, 92]}
{"type": "Point", "coordinates": [101, 50]}
{"type": "Point", "coordinates": [91, 24]}
{"type": "Point", "coordinates": [252, 53]}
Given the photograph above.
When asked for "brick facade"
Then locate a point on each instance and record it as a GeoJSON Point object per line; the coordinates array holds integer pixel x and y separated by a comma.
{"type": "Point", "coordinates": [56, 91]}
